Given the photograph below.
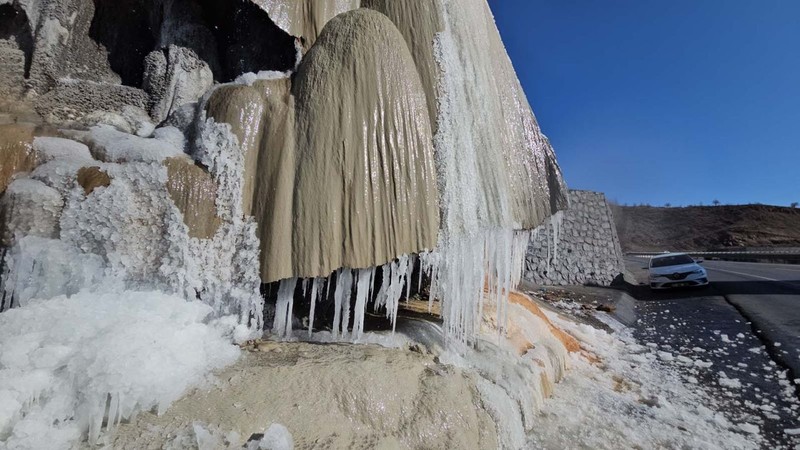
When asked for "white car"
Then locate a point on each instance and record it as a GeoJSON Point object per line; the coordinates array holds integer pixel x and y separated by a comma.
{"type": "Point", "coordinates": [672, 270]}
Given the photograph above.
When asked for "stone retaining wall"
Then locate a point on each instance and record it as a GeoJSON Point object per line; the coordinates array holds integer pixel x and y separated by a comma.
{"type": "Point", "coordinates": [585, 249]}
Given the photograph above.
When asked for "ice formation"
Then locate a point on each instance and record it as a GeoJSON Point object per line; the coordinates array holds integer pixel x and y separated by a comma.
{"type": "Point", "coordinates": [77, 366]}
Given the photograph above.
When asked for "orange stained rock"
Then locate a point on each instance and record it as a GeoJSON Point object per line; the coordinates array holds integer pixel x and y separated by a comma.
{"type": "Point", "coordinates": [523, 300]}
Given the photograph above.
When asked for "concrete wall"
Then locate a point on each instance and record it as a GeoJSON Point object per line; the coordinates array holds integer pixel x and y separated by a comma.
{"type": "Point", "coordinates": [586, 250]}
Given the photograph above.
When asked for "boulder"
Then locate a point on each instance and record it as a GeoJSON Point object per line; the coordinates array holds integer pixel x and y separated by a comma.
{"type": "Point", "coordinates": [174, 77]}
{"type": "Point", "coordinates": [73, 100]}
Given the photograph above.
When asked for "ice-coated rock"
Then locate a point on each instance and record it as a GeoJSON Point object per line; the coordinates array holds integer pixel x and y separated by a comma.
{"type": "Point", "coordinates": [29, 208]}
{"type": "Point", "coordinates": [173, 77]}
{"type": "Point", "coordinates": [49, 148]}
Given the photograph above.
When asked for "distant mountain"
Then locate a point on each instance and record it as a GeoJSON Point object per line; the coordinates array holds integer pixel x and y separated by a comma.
{"type": "Point", "coordinates": [647, 228]}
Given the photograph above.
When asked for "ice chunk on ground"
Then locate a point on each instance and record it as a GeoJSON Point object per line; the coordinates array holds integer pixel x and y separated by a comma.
{"type": "Point", "coordinates": [111, 145]}
{"type": "Point", "coordinates": [50, 148]}
{"type": "Point", "coordinates": [277, 437]}
{"type": "Point", "coordinates": [77, 366]}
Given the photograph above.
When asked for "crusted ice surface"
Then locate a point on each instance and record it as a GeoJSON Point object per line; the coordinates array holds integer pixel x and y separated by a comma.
{"type": "Point", "coordinates": [29, 207]}
{"type": "Point", "coordinates": [73, 367]}
{"type": "Point", "coordinates": [46, 268]}
{"type": "Point", "coordinates": [49, 148]}
{"type": "Point", "coordinates": [109, 144]}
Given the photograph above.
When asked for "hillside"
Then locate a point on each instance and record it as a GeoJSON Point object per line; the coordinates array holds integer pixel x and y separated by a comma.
{"type": "Point", "coordinates": [646, 228]}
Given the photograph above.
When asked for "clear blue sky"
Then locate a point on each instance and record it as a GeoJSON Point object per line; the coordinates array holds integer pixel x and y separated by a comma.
{"type": "Point", "coordinates": [656, 101]}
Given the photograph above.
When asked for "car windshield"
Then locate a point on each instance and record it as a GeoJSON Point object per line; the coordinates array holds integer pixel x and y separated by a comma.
{"type": "Point", "coordinates": [675, 260]}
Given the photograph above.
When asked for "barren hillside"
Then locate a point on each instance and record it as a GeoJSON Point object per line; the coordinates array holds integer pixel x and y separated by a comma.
{"type": "Point", "coordinates": [646, 228]}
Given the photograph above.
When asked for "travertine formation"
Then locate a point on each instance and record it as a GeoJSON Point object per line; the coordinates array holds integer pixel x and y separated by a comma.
{"type": "Point", "coordinates": [339, 170]}
{"type": "Point", "coordinates": [366, 182]}
{"type": "Point", "coordinates": [582, 249]}
{"type": "Point", "coordinates": [305, 18]}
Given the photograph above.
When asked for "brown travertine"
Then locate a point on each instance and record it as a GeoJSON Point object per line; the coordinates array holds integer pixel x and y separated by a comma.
{"type": "Point", "coordinates": [92, 177]}
{"type": "Point", "coordinates": [418, 21]}
{"type": "Point", "coordinates": [16, 151]}
{"type": "Point", "coordinates": [519, 182]}
{"type": "Point", "coordinates": [242, 107]}
{"type": "Point", "coordinates": [340, 168]}
{"type": "Point", "coordinates": [194, 193]}
{"type": "Point", "coordinates": [305, 18]}
{"type": "Point", "coordinates": [366, 188]}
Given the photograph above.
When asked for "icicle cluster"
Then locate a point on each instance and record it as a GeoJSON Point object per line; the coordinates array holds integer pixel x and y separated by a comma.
{"type": "Point", "coordinates": [462, 269]}
{"type": "Point", "coordinates": [346, 284]}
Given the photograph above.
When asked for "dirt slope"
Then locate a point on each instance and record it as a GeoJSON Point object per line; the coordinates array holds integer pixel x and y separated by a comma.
{"type": "Point", "coordinates": [646, 228]}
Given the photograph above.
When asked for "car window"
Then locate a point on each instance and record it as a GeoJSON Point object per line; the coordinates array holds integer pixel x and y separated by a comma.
{"type": "Point", "coordinates": [675, 260]}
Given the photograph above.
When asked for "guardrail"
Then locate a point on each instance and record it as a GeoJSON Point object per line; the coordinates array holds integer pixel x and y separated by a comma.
{"type": "Point", "coordinates": [790, 256]}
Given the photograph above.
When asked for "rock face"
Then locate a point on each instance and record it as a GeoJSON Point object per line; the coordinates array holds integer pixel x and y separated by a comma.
{"type": "Point", "coordinates": [73, 100]}
{"type": "Point", "coordinates": [586, 250]}
{"type": "Point", "coordinates": [174, 77]}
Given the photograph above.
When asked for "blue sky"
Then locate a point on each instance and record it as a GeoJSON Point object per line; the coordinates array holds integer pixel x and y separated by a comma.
{"type": "Point", "coordinates": [657, 101]}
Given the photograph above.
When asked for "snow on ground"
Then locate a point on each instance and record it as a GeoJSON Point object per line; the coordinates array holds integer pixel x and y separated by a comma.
{"type": "Point", "coordinates": [629, 399]}
{"type": "Point", "coordinates": [77, 366]}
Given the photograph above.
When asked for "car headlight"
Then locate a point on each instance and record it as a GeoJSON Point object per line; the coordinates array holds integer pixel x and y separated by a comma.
{"type": "Point", "coordinates": [698, 272]}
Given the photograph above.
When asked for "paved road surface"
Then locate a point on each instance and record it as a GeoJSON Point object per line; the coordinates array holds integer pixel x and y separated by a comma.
{"type": "Point", "coordinates": [714, 325]}
{"type": "Point", "coordinates": [767, 294]}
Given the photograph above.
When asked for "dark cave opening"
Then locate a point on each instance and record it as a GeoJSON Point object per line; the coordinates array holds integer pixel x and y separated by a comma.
{"type": "Point", "coordinates": [14, 27]}
{"type": "Point", "coordinates": [232, 36]}
{"type": "Point", "coordinates": [126, 29]}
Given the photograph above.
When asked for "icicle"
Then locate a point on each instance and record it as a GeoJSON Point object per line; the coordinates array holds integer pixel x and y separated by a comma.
{"type": "Point", "coordinates": [282, 324]}
{"type": "Point", "coordinates": [316, 290]}
{"type": "Point", "coordinates": [362, 291]}
{"type": "Point", "coordinates": [341, 298]}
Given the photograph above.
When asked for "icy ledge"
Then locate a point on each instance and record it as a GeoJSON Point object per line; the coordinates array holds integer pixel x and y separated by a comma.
{"type": "Point", "coordinates": [74, 367]}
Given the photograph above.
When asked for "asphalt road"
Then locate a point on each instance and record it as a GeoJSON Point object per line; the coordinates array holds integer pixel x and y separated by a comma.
{"type": "Point", "coordinates": [747, 325]}
{"type": "Point", "coordinates": [766, 294]}
{"type": "Point", "coordinates": [769, 296]}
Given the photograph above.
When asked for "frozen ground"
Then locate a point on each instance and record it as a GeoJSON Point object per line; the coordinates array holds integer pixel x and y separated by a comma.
{"type": "Point", "coordinates": [69, 362]}
{"type": "Point", "coordinates": [628, 399]}
{"type": "Point", "coordinates": [78, 366]}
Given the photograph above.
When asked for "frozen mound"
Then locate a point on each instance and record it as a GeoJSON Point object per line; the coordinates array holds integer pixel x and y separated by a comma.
{"type": "Point", "coordinates": [75, 367]}
{"type": "Point", "coordinates": [497, 173]}
{"type": "Point", "coordinates": [29, 208]}
{"type": "Point", "coordinates": [365, 189]}
{"type": "Point", "coordinates": [305, 18]}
